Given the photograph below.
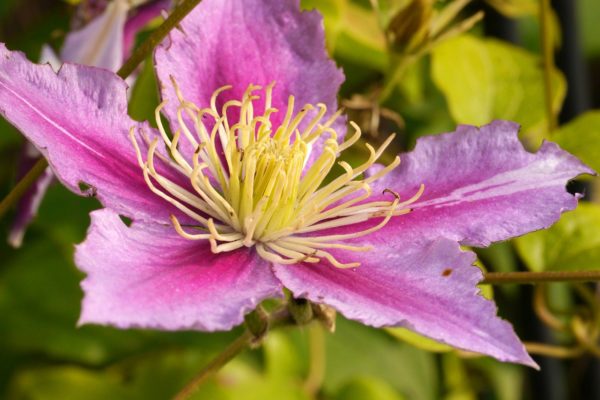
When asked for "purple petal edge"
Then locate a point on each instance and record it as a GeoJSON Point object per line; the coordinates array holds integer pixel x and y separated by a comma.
{"type": "Point", "coordinates": [481, 186]}
{"type": "Point", "coordinates": [77, 118]}
{"type": "Point", "coordinates": [429, 288]}
{"type": "Point", "coordinates": [242, 42]}
{"type": "Point", "coordinates": [147, 276]}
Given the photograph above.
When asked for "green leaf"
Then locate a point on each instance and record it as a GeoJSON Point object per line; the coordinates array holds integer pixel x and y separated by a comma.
{"type": "Point", "coordinates": [144, 96]}
{"type": "Point", "coordinates": [581, 137]}
{"type": "Point", "coordinates": [282, 357]}
{"type": "Point", "coordinates": [457, 382]}
{"type": "Point", "coordinates": [486, 79]}
{"type": "Point", "coordinates": [367, 388]}
{"type": "Point", "coordinates": [355, 350]}
{"type": "Point", "coordinates": [572, 244]}
{"type": "Point", "coordinates": [353, 33]}
{"type": "Point", "coordinates": [419, 341]}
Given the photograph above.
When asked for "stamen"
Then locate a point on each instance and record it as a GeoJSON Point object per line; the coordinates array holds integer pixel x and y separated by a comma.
{"type": "Point", "coordinates": [246, 184]}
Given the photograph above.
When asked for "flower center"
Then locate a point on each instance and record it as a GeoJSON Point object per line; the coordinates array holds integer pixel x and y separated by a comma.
{"type": "Point", "coordinates": [252, 184]}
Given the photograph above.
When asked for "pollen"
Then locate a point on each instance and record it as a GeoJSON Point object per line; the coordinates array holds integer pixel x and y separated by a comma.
{"type": "Point", "coordinates": [248, 183]}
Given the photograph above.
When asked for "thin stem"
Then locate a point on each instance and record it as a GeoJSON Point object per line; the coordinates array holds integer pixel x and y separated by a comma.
{"type": "Point", "coordinates": [278, 318]}
{"type": "Point", "coordinates": [23, 185]}
{"type": "Point", "coordinates": [156, 37]}
{"type": "Point", "coordinates": [553, 351]}
{"type": "Point", "coordinates": [500, 278]}
{"type": "Point", "coordinates": [548, 62]}
{"type": "Point", "coordinates": [540, 306]}
{"type": "Point", "coordinates": [316, 368]}
{"type": "Point", "coordinates": [403, 62]}
{"type": "Point", "coordinates": [128, 67]}
{"type": "Point", "coordinates": [235, 348]}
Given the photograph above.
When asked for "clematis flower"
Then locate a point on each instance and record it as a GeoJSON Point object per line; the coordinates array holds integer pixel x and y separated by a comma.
{"type": "Point", "coordinates": [236, 204]}
{"type": "Point", "coordinates": [105, 42]}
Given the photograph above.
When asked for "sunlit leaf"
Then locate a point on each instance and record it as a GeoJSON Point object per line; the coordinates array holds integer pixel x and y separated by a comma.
{"type": "Point", "coordinates": [353, 32]}
{"type": "Point", "coordinates": [581, 137]}
{"type": "Point", "coordinates": [486, 79]}
{"type": "Point", "coordinates": [571, 244]}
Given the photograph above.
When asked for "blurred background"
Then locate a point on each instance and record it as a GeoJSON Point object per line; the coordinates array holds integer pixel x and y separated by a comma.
{"type": "Point", "coordinates": [414, 67]}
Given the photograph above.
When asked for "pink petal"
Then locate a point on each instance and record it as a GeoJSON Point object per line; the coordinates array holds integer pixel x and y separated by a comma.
{"type": "Point", "coordinates": [100, 43]}
{"type": "Point", "coordinates": [78, 120]}
{"type": "Point", "coordinates": [147, 276]}
{"type": "Point", "coordinates": [429, 288]}
{"type": "Point", "coordinates": [481, 186]}
{"type": "Point", "coordinates": [242, 42]}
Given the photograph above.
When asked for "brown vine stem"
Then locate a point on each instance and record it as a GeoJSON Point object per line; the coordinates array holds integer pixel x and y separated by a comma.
{"type": "Point", "coordinates": [500, 278]}
{"type": "Point", "coordinates": [128, 67]}
{"type": "Point", "coordinates": [548, 63]}
{"type": "Point", "coordinates": [553, 351]}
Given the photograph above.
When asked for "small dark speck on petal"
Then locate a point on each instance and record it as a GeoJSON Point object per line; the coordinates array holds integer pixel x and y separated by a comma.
{"type": "Point", "coordinates": [447, 272]}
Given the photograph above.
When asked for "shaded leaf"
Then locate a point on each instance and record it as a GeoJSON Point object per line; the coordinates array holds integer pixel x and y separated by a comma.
{"type": "Point", "coordinates": [367, 388]}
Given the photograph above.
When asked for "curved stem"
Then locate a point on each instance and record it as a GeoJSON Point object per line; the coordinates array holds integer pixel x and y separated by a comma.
{"type": "Point", "coordinates": [553, 351]}
{"type": "Point", "coordinates": [235, 348]}
{"type": "Point", "coordinates": [500, 278]}
{"type": "Point", "coordinates": [156, 37]}
{"type": "Point", "coordinates": [23, 185]}
{"type": "Point", "coordinates": [316, 368]}
{"type": "Point", "coordinates": [541, 309]}
{"type": "Point", "coordinates": [548, 62]}
{"type": "Point", "coordinates": [128, 67]}
{"type": "Point", "coordinates": [278, 318]}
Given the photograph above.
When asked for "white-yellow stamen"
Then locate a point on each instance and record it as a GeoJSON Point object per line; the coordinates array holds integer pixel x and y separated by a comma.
{"type": "Point", "coordinates": [251, 185]}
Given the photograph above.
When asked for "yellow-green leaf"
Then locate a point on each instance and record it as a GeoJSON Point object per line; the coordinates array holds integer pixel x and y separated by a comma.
{"type": "Point", "coordinates": [486, 79]}
{"type": "Point", "coordinates": [572, 244]}
{"type": "Point", "coordinates": [581, 137]}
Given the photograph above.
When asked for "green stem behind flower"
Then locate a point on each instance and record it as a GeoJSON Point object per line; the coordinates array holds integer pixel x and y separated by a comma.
{"type": "Point", "coordinates": [139, 55]}
{"type": "Point", "coordinates": [499, 278]}
{"type": "Point", "coordinates": [156, 37]}
{"type": "Point", "coordinates": [228, 354]}
{"type": "Point", "coordinates": [276, 319]}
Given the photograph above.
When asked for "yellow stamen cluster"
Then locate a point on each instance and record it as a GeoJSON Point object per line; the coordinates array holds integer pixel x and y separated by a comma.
{"type": "Point", "coordinates": [252, 185]}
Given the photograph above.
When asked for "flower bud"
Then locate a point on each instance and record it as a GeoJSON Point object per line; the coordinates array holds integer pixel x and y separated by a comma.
{"type": "Point", "coordinates": [301, 310]}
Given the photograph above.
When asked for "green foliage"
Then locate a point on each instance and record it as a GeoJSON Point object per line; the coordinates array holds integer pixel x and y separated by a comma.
{"type": "Point", "coordinates": [582, 137]}
{"type": "Point", "coordinates": [409, 370]}
{"type": "Point", "coordinates": [468, 79]}
{"type": "Point", "coordinates": [485, 79]}
{"type": "Point", "coordinates": [571, 244]}
{"type": "Point", "coordinates": [364, 388]}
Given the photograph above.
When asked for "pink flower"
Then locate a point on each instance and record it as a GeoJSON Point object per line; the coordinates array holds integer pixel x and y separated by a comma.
{"type": "Point", "coordinates": [232, 207]}
{"type": "Point", "coordinates": [105, 42]}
